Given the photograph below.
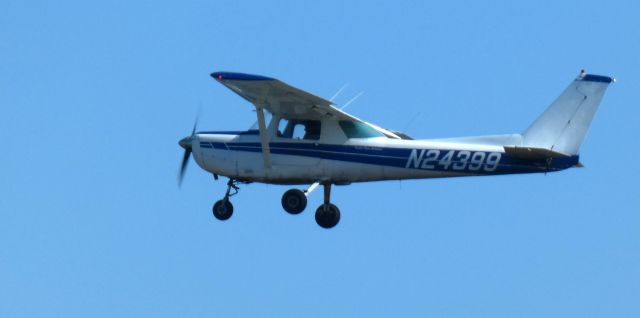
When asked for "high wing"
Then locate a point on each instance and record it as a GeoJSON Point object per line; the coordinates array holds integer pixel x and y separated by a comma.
{"type": "Point", "coordinates": [280, 98]}
{"type": "Point", "coordinates": [283, 100]}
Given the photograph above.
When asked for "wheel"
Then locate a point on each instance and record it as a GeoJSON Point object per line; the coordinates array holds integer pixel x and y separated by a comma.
{"type": "Point", "coordinates": [294, 201]}
{"type": "Point", "coordinates": [327, 216]}
{"type": "Point", "coordinates": [222, 209]}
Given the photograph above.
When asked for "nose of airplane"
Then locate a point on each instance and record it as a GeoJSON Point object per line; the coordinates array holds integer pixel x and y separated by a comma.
{"type": "Point", "coordinates": [185, 142]}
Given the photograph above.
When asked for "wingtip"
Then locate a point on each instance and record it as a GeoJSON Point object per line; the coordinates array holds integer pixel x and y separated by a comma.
{"type": "Point", "coordinates": [217, 75]}
{"type": "Point", "coordinates": [239, 76]}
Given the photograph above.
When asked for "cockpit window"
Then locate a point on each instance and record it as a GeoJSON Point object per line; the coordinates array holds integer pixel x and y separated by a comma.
{"type": "Point", "coordinates": [354, 129]}
{"type": "Point", "coordinates": [299, 129]}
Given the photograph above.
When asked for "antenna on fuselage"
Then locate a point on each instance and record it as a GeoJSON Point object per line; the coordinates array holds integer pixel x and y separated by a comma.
{"type": "Point", "coordinates": [351, 100]}
{"type": "Point", "coordinates": [411, 120]}
{"type": "Point", "coordinates": [338, 92]}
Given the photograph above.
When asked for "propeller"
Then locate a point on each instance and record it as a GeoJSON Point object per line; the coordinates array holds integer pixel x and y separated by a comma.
{"type": "Point", "coordinates": [186, 144]}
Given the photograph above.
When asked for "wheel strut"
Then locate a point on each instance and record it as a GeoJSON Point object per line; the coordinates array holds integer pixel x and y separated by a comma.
{"type": "Point", "coordinates": [327, 194]}
{"type": "Point", "coordinates": [231, 185]}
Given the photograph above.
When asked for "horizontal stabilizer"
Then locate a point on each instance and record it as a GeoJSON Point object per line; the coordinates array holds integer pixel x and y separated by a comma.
{"type": "Point", "coordinates": [532, 153]}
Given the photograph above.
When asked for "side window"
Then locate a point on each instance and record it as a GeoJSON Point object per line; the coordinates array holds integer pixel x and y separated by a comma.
{"type": "Point", "coordinates": [299, 129]}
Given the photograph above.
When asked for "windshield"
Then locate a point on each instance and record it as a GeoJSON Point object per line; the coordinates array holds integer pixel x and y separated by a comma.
{"type": "Point", "coordinates": [267, 120]}
{"type": "Point", "coordinates": [354, 129]}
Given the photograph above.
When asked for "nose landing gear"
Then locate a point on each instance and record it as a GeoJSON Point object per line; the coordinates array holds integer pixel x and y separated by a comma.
{"type": "Point", "coordinates": [223, 209]}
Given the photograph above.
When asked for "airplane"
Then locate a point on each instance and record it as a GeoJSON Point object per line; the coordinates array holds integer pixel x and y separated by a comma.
{"type": "Point", "coordinates": [303, 139]}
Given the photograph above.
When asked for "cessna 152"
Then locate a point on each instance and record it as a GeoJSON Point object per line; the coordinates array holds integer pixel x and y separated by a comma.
{"type": "Point", "coordinates": [302, 139]}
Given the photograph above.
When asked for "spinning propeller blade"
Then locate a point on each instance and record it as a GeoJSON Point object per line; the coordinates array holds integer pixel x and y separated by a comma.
{"type": "Point", "coordinates": [183, 167]}
{"type": "Point", "coordinates": [186, 144]}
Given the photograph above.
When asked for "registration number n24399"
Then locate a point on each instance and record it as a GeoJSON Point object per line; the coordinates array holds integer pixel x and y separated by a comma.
{"type": "Point", "coordinates": [432, 159]}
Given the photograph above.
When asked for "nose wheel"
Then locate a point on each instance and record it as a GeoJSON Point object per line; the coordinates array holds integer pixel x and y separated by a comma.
{"type": "Point", "coordinates": [222, 209]}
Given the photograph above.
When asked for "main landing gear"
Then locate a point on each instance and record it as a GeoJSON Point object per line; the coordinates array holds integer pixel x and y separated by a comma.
{"type": "Point", "coordinates": [223, 209]}
{"type": "Point", "coordinates": [294, 201]}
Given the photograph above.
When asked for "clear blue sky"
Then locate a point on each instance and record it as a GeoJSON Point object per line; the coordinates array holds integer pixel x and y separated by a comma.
{"type": "Point", "coordinates": [94, 97]}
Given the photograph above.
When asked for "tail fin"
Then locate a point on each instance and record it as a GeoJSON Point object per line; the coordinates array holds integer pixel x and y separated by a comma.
{"type": "Point", "coordinates": [563, 126]}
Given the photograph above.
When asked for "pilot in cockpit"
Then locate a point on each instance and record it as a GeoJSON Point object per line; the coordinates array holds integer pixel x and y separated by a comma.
{"type": "Point", "coordinates": [311, 129]}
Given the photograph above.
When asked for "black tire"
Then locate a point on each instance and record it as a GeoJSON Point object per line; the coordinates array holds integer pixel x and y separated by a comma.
{"type": "Point", "coordinates": [327, 217]}
{"type": "Point", "coordinates": [294, 201]}
{"type": "Point", "coordinates": [222, 210]}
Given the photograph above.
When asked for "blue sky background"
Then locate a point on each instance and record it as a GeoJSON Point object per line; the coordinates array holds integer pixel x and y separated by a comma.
{"type": "Point", "coordinates": [95, 95]}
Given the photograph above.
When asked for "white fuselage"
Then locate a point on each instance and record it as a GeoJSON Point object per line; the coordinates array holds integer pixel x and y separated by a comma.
{"type": "Point", "coordinates": [298, 169]}
{"type": "Point", "coordinates": [337, 159]}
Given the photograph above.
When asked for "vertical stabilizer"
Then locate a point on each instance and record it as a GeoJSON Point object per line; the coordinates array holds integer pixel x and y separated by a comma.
{"type": "Point", "coordinates": [564, 124]}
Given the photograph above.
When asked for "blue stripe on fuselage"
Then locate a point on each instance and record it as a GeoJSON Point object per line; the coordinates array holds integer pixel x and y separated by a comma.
{"type": "Point", "coordinates": [398, 157]}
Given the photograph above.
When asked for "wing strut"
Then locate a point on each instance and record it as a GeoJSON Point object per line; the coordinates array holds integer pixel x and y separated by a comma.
{"type": "Point", "coordinates": [264, 136]}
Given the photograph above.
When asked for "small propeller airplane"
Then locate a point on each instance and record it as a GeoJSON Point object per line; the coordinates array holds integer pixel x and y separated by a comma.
{"type": "Point", "coordinates": [303, 139]}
